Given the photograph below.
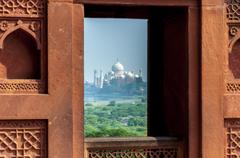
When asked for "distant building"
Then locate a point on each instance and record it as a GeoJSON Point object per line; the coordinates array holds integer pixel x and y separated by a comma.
{"type": "Point", "coordinates": [117, 76]}
{"type": "Point", "coordinates": [119, 80]}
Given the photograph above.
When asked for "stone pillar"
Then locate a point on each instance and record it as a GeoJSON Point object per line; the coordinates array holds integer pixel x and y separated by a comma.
{"type": "Point", "coordinates": [213, 49]}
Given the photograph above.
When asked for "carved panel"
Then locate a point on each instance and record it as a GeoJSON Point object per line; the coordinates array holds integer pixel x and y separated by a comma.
{"type": "Point", "coordinates": [233, 10]}
{"type": "Point", "coordinates": [22, 86]}
{"type": "Point", "coordinates": [233, 87]}
{"type": "Point", "coordinates": [28, 16]}
{"type": "Point", "coordinates": [22, 8]}
{"type": "Point", "coordinates": [163, 152]}
{"type": "Point", "coordinates": [232, 138]}
{"type": "Point", "coordinates": [23, 139]}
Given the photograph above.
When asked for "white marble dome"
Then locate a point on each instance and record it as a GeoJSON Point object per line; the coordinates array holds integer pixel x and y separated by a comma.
{"type": "Point", "coordinates": [130, 75]}
{"type": "Point", "coordinates": [117, 67]}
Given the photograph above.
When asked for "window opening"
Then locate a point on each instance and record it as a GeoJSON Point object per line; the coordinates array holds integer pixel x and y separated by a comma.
{"type": "Point", "coordinates": [115, 77]}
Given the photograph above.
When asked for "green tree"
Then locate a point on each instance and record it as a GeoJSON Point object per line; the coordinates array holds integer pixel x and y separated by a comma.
{"type": "Point", "coordinates": [112, 103]}
{"type": "Point", "coordinates": [88, 104]}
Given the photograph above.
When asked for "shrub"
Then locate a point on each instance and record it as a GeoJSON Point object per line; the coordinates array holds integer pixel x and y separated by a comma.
{"type": "Point", "coordinates": [88, 104]}
{"type": "Point", "coordinates": [112, 103]}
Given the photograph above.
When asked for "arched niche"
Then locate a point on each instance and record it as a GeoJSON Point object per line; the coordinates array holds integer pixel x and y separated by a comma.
{"type": "Point", "coordinates": [20, 58]}
{"type": "Point", "coordinates": [234, 59]}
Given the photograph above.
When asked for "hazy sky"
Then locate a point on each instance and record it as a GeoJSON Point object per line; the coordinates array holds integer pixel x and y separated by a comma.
{"type": "Point", "coordinates": [106, 40]}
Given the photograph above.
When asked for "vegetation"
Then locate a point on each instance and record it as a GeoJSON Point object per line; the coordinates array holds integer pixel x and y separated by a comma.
{"type": "Point", "coordinates": [116, 119]}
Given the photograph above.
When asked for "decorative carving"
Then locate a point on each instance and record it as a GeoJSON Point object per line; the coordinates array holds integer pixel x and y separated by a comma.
{"type": "Point", "coordinates": [234, 35]}
{"type": "Point", "coordinates": [28, 16]}
{"type": "Point", "coordinates": [233, 10]}
{"type": "Point", "coordinates": [233, 30]}
{"type": "Point", "coordinates": [21, 86]}
{"type": "Point", "coordinates": [22, 8]}
{"type": "Point", "coordinates": [4, 26]}
{"type": "Point", "coordinates": [233, 122]}
{"type": "Point", "coordinates": [163, 152]}
{"type": "Point", "coordinates": [31, 27]}
{"type": "Point", "coordinates": [233, 87]}
{"type": "Point", "coordinates": [232, 138]}
{"type": "Point", "coordinates": [232, 73]}
{"type": "Point", "coordinates": [23, 139]}
{"type": "Point", "coordinates": [35, 26]}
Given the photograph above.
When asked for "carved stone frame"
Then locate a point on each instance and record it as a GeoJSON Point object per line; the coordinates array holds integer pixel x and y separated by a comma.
{"type": "Point", "coordinates": [63, 105]}
{"type": "Point", "coordinates": [194, 132]}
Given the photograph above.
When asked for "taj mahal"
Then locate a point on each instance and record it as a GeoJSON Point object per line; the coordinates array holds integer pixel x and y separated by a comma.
{"type": "Point", "coordinates": [118, 76]}
{"type": "Point", "coordinates": [118, 80]}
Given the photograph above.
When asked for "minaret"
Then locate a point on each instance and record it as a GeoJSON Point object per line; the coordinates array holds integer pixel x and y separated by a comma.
{"type": "Point", "coordinates": [95, 78]}
{"type": "Point", "coordinates": [101, 79]}
{"type": "Point", "coordinates": [140, 72]}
